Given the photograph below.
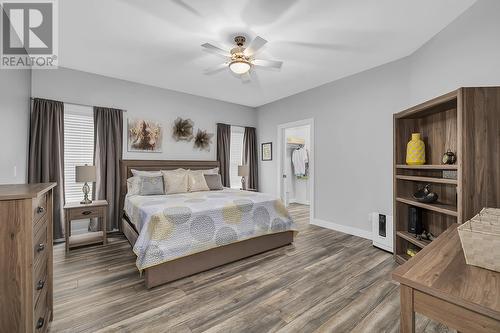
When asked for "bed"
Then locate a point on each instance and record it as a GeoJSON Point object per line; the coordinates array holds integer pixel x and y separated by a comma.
{"type": "Point", "coordinates": [179, 235]}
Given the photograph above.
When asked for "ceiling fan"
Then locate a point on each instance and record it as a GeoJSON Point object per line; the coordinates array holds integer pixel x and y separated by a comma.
{"type": "Point", "coordinates": [241, 59]}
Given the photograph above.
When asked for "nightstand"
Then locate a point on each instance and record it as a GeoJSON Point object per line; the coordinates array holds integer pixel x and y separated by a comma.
{"type": "Point", "coordinates": [78, 211]}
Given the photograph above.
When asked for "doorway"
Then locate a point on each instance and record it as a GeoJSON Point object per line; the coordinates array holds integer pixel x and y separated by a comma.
{"type": "Point", "coordinates": [296, 165]}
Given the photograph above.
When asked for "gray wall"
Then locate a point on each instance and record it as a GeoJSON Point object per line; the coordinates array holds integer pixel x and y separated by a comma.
{"type": "Point", "coordinates": [15, 85]}
{"type": "Point", "coordinates": [142, 101]}
{"type": "Point", "coordinates": [353, 140]}
{"type": "Point", "coordinates": [353, 116]}
{"type": "Point", "coordinates": [466, 53]}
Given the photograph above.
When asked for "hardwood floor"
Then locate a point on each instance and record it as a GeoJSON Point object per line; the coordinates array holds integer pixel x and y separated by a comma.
{"type": "Point", "coordinates": [326, 282]}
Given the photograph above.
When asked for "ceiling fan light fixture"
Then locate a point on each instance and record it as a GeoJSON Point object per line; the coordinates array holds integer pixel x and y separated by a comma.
{"type": "Point", "coordinates": [239, 66]}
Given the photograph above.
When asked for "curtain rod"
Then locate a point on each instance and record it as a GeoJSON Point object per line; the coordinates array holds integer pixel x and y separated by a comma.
{"type": "Point", "coordinates": [243, 126]}
{"type": "Point", "coordinates": [79, 104]}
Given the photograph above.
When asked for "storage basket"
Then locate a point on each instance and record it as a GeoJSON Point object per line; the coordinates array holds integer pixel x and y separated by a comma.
{"type": "Point", "coordinates": [480, 238]}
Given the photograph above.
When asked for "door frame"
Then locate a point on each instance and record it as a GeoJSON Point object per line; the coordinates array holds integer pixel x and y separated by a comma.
{"type": "Point", "coordinates": [280, 145]}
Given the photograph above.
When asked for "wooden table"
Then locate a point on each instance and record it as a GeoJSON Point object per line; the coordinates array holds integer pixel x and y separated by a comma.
{"type": "Point", "coordinates": [78, 211]}
{"type": "Point", "coordinates": [440, 285]}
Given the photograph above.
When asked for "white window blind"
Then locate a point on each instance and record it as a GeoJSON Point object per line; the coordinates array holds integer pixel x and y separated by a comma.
{"type": "Point", "coordinates": [236, 155]}
{"type": "Point", "coordinates": [78, 147]}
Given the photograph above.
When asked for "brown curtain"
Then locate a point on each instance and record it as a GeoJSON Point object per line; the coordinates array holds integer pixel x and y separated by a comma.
{"type": "Point", "coordinates": [250, 157]}
{"type": "Point", "coordinates": [223, 152]}
{"type": "Point", "coordinates": [46, 153]}
{"type": "Point", "coordinates": [108, 136]}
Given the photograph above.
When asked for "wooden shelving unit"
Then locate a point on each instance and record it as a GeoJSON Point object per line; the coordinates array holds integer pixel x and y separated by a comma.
{"type": "Point", "coordinates": [435, 207]}
{"type": "Point", "coordinates": [427, 167]}
{"type": "Point", "coordinates": [428, 179]}
{"type": "Point", "coordinates": [412, 239]}
{"type": "Point", "coordinates": [464, 121]}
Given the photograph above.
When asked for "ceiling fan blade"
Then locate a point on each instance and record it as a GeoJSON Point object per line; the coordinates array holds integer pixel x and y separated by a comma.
{"type": "Point", "coordinates": [245, 78]}
{"type": "Point", "coordinates": [215, 69]}
{"type": "Point", "coordinates": [268, 63]}
{"type": "Point", "coordinates": [255, 78]}
{"type": "Point", "coordinates": [215, 49]}
{"type": "Point", "coordinates": [255, 46]}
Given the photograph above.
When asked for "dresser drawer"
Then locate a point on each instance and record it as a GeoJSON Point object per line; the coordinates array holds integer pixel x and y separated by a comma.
{"type": "Point", "coordinates": [85, 213]}
{"type": "Point", "coordinates": [40, 280]}
{"type": "Point", "coordinates": [39, 207]}
{"type": "Point", "coordinates": [40, 244]}
{"type": "Point", "coordinates": [41, 313]}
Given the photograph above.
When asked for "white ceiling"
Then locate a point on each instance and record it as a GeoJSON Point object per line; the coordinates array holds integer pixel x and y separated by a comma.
{"type": "Point", "coordinates": [157, 42]}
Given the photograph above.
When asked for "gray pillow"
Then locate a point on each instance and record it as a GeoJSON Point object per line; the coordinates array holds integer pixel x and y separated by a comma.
{"type": "Point", "coordinates": [214, 182]}
{"type": "Point", "coordinates": [151, 185]}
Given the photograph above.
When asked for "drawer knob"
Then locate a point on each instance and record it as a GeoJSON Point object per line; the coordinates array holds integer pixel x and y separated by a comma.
{"type": "Point", "coordinates": [40, 210]}
{"type": "Point", "coordinates": [87, 212]}
{"type": "Point", "coordinates": [40, 284]}
{"type": "Point", "coordinates": [40, 247]}
{"type": "Point", "coordinates": [40, 322]}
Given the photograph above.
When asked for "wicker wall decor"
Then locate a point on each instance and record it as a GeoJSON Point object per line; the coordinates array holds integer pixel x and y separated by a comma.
{"type": "Point", "coordinates": [203, 140]}
{"type": "Point", "coordinates": [183, 129]}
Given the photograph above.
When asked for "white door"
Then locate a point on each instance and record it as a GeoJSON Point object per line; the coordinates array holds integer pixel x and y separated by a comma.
{"type": "Point", "coordinates": [284, 174]}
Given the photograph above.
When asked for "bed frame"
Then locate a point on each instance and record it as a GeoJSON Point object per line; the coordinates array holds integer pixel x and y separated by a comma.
{"type": "Point", "coordinates": [197, 262]}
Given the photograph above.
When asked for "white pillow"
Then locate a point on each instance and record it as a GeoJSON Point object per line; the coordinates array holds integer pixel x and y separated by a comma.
{"type": "Point", "coordinates": [175, 181]}
{"type": "Point", "coordinates": [133, 185]}
{"type": "Point", "coordinates": [146, 173]}
{"type": "Point", "coordinates": [196, 181]}
{"type": "Point", "coordinates": [213, 171]}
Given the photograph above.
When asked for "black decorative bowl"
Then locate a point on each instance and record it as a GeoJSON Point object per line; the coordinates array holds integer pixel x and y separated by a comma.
{"type": "Point", "coordinates": [425, 195]}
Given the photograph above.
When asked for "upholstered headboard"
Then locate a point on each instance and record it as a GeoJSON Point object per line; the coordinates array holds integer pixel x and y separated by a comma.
{"type": "Point", "coordinates": [126, 167]}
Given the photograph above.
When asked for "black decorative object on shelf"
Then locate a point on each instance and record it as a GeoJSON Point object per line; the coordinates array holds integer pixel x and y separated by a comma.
{"type": "Point", "coordinates": [449, 157]}
{"type": "Point", "coordinates": [426, 236]}
{"type": "Point", "coordinates": [415, 220]}
{"type": "Point", "coordinates": [425, 195]}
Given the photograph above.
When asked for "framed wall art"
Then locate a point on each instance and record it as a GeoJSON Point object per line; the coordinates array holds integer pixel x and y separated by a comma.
{"type": "Point", "coordinates": [144, 136]}
{"type": "Point", "coordinates": [267, 151]}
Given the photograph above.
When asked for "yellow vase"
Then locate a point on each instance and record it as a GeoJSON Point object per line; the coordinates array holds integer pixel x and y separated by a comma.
{"type": "Point", "coordinates": [415, 150]}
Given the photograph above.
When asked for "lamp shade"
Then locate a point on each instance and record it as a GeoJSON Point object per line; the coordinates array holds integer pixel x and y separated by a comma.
{"type": "Point", "coordinates": [243, 170]}
{"type": "Point", "coordinates": [85, 173]}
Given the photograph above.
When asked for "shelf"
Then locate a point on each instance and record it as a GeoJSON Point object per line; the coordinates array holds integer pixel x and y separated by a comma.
{"type": "Point", "coordinates": [411, 238]}
{"type": "Point", "coordinates": [402, 258]}
{"type": "Point", "coordinates": [86, 239]}
{"type": "Point", "coordinates": [436, 207]}
{"type": "Point", "coordinates": [428, 167]}
{"type": "Point", "coordinates": [428, 179]}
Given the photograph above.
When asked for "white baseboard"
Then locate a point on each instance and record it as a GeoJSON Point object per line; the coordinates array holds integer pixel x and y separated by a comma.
{"type": "Point", "coordinates": [343, 228]}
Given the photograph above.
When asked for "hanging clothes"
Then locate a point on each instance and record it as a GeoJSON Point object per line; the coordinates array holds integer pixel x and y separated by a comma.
{"type": "Point", "coordinates": [300, 160]}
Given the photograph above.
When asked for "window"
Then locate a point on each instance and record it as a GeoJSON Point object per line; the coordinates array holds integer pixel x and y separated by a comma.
{"type": "Point", "coordinates": [236, 155]}
{"type": "Point", "coordinates": [78, 147]}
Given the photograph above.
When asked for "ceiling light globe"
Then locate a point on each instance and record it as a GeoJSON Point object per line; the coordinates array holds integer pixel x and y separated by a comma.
{"type": "Point", "coordinates": [239, 67]}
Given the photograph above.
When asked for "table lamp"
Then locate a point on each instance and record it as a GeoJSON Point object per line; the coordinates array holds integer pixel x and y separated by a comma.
{"type": "Point", "coordinates": [243, 172]}
{"type": "Point", "coordinates": [84, 174]}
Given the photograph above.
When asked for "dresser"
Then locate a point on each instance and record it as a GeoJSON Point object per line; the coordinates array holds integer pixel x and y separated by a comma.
{"type": "Point", "coordinates": [26, 257]}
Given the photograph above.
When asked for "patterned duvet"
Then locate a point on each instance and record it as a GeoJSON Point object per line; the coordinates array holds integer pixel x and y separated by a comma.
{"type": "Point", "coordinates": [174, 226]}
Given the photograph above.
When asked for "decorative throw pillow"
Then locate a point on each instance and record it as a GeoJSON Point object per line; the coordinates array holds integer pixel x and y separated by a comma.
{"type": "Point", "coordinates": [151, 185]}
{"type": "Point", "coordinates": [175, 181]}
{"type": "Point", "coordinates": [197, 181]}
{"type": "Point", "coordinates": [214, 181]}
{"type": "Point", "coordinates": [146, 173]}
{"type": "Point", "coordinates": [133, 185]}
